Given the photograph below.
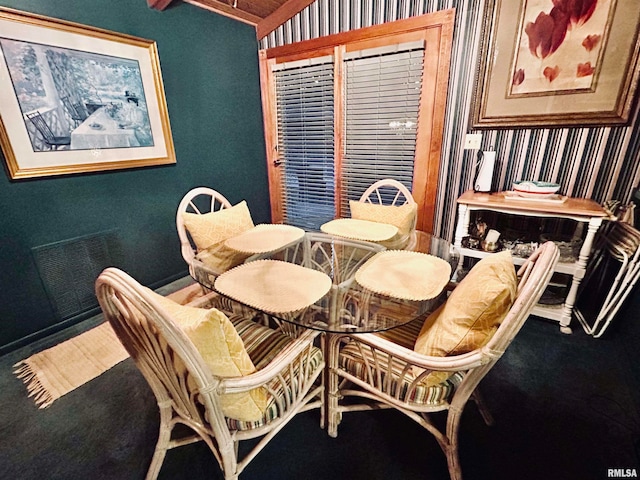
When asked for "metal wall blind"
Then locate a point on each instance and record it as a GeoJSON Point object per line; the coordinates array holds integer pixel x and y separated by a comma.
{"type": "Point", "coordinates": [382, 98]}
{"type": "Point", "coordinates": [304, 97]}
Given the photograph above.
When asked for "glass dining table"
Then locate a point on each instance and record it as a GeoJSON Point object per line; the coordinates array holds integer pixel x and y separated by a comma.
{"type": "Point", "coordinates": [333, 284]}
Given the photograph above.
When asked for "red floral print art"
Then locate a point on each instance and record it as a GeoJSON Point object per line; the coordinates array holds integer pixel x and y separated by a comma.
{"type": "Point", "coordinates": [551, 73]}
{"type": "Point", "coordinates": [518, 77]}
{"type": "Point", "coordinates": [547, 33]}
{"type": "Point", "coordinates": [591, 41]}
{"type": "Point", "coordinates": [584, 70]}
{"type": "Point", "coordinates": [578, 11]}
{"type": "Point", "coordinates": [559, 45]}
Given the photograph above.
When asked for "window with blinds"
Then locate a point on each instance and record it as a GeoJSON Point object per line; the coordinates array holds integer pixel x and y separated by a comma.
{"type": "Point", "coordinates": [343, 111]}
{"type": "Point", "coordinates": [305, 109]}
{"type": "Point", "coordinates": [381, 103]}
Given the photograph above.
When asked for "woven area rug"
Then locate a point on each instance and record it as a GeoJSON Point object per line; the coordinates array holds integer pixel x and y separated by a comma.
{"type": "Point", "coordinates": [54, 372]}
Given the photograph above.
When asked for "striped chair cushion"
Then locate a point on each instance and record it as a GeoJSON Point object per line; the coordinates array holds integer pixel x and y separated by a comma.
{"type": "Point", "coordinates": [262, 345]}
{"type": "Point", "coordinates": [405, 335]}
{"type": "Point", "coordinates": [359, 362]}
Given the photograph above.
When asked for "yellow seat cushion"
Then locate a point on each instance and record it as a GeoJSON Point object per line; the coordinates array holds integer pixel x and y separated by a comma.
{"type": "Point", "coordinates": [210, 230]}
{"type": "Point", "coordinates": [222, 349]}
{"type": "Point", "coordinates": [472, 313]}
{"type": "Point", "coordinates": [401, 216]}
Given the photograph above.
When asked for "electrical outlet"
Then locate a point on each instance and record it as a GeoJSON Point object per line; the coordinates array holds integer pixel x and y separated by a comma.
{"type": "Point", "coordinates": [472, 141]}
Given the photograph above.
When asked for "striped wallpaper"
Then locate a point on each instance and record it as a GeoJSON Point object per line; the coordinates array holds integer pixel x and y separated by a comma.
{"type": "Point", "coordinates": [601, 163]}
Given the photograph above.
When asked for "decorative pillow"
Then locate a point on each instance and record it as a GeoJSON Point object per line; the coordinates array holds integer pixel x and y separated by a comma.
{"type": "Point", "coordinates": [221, 258]}
{"type": "Point", "coordinates": [402, 216]}
{"type": "Point", "coordinates": [222, 349]}
{"type": "Point", "coordinates": [471, 314]}
{"type": "Point", "coordinates": [214, 227]}
{"type": "Point", "coordinates": [210, 230]}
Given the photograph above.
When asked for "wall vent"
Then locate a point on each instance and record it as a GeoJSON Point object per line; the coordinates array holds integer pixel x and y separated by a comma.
{"type": "Point", "coordinates": [69, 269]}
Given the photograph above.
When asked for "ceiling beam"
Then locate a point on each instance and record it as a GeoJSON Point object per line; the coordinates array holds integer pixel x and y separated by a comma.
{"type": "Point", "coordinates": [226, 10]}
{"type": "Point", "coordinates": [158, 4]}
{"type": "Point", "coordinates": [281, 15]}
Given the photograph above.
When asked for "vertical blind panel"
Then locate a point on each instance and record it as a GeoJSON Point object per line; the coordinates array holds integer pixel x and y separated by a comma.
{"type": "Point", "coordinates": [382, 99]}
{"type": "Point", "coordinates": [304, 96]}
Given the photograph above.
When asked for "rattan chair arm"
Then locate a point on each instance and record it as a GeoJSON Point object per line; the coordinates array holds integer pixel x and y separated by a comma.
{"type": "Point", "coordinates": [399, 353]}
{"type": "Point", "coordinates": [291, 355]}
{"type": "Point", "coordinates": [202, 273]}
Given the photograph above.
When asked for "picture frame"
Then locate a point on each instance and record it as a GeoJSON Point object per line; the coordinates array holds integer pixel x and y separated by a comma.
{"type": "Point", "coordinates": [77, 99]}
{"type": "Point", "coordinates": [545, 63]}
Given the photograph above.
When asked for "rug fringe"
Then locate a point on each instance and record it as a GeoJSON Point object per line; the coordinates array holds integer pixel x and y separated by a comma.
{"type": "Point", "coordinates": [41, 396]}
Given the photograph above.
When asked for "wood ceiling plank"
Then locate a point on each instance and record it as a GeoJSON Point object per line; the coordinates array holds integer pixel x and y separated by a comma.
{"type": "Point", "coordinates": [281, 15]}
{"type": "Point", "coordinates": [224, 9]}
{"type": "Point", "coordinates": [259, 8]}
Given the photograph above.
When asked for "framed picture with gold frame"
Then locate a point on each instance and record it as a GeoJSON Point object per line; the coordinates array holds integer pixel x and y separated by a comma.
{"type": "Point", "coordinates": [77, 99]}
{"type": "Point", "coordinates": [546, 63]}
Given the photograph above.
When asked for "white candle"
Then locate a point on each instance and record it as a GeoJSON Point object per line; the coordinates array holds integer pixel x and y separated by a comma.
{"type": "Point", "coordinates": [492, 236]}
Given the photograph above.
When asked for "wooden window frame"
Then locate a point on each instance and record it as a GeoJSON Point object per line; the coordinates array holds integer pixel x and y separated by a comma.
{"type": "Point", "coordinates": [436, 29]}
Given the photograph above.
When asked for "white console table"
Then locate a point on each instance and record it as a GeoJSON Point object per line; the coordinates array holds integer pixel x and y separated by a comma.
{"type": "Point", "coordinates": [579, 209]}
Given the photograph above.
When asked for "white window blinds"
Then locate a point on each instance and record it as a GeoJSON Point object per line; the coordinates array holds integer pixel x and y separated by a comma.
{"type": "Point", "coordinates": [304, 100]}
{"type": "Point", "coordinates": [382, 98]}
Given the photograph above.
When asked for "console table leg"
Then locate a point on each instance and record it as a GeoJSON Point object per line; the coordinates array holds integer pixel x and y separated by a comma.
{"type": "Point", "coordinates": [585, 252]}
{"type": "Point", "coordinates": [462, 229]}
{"type": "Point", "coordinates": [567, 309]}
{"type": "Point", "coordinates": [566, 329]}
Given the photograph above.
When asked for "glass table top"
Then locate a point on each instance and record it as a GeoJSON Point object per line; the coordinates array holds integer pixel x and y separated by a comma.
{"type": "Point", "coordinates": [312, 283]}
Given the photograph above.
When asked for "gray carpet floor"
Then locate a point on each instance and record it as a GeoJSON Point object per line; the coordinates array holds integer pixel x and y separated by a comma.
{"type": "Point", "coordinates": [566, 407]}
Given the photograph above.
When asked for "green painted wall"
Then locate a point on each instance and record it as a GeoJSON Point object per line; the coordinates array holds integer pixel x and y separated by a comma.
{"type": "Point", "coordinates": [210, 71]}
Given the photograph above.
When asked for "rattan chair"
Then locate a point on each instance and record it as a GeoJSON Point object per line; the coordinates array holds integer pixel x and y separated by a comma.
{"type": "Point", "coordinates": [188, 393]}
{"type": "Point", "coordinates": [199, 200]}
{"type": "Point", "coordinates": [383, 374]}
{"type": "Point", "coordinates": [391, 192]}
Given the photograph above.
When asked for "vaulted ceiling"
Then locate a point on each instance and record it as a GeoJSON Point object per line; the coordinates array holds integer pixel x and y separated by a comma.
{"type": "Point", "coordinates": [265, 15]}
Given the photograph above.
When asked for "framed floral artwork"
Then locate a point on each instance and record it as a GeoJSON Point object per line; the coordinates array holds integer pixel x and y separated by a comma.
{"type": "Point", "coordinates": [557, 63]}
{"type": "Point", "coordinates": [76, 99]}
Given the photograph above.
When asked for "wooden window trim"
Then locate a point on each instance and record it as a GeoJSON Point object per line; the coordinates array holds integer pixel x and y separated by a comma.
{"type": "Point", "coordinates": [437, 30]}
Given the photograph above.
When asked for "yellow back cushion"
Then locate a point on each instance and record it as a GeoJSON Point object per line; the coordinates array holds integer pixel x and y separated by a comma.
{"type": "Point", "coordinates": [472, 313]}
{"type": "Point", "coordinates": [214, 227]}
{"type": "Point", "coordinates": [222, 349]}
{"type": "Point", "coordinates": [402, 216]}
{"type": "Point", "coordinates": [210, 230]}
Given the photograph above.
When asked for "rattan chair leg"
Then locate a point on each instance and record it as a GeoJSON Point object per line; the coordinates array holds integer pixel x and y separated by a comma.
{"type": "Point", "coordinates": [163, 443]}
{"type": "Point", "coordinates": [482, 407]}
{"type": "Point", "coordinates": [332, 414]}
{"type": "Point", "coordinates": [453, 459]}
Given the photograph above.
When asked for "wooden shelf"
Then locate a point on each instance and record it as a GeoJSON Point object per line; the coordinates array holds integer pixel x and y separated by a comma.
{"type": "Point", "coordinates": [552, 312]}
{"type": "Point", "coordinates": [572, 207]}
{"type": "Point", "coordinates": [561, 267]}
